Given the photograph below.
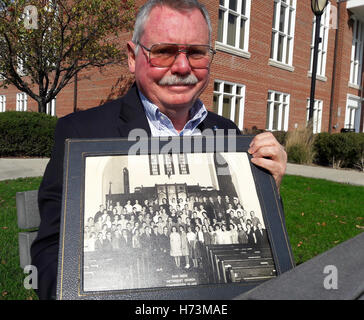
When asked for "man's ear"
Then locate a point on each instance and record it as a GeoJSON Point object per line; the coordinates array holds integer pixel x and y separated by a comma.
{"type": "Point", "coordinates": [131, 56]}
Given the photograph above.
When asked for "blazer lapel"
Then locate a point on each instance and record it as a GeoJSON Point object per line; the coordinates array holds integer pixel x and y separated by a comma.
{"type": "Point", "coordinates": [132, 114]}
{"type": "Point", "coordinates": [207, 123]}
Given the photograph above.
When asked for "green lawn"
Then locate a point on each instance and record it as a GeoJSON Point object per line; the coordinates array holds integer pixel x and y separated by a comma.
{"type": "Point", "coordinates": [319, 215]}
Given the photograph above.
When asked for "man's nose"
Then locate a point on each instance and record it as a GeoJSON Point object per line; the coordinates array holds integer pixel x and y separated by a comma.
{"type": "Point", "coordinates": [181, 64]}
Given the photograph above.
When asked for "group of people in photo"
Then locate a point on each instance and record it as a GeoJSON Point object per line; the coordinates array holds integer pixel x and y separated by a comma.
{"type": "Point", "coordinates": [176, 228]}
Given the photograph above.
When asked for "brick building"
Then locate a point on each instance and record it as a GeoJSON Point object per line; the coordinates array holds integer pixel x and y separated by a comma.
{"type": "Point", "coordinates": [261, 74]}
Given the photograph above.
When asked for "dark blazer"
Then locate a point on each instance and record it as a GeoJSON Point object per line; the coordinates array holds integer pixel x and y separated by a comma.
{"type": "Point", "coordinates": [261, 237]}
{"type": "Point", "coordinates": [111, 120]}
{"type": "Point", "coordinates": [220, 206]}
{"type": "Point", "coordinates": [125, 243]}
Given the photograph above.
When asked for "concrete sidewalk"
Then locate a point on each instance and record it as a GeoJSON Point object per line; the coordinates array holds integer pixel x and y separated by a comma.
{"type": "Point", "coordinates": [343, 175]}
{"type": "Point", "coordinates": [13, 168]}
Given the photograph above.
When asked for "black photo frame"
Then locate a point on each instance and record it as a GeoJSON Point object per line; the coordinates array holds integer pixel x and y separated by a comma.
{"type": "Point", "coordinates": [85, 272]}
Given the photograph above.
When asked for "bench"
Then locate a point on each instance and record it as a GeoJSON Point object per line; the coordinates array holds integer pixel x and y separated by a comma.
{"type": "Point", "coordinates": [233, 270]}
{"type": "Point", "coordinates": [217, 255]}
{"type": "Point", "coordinates": [261, 272]}
{"type": "Point", "coordinates": [28, 221]}
{"type": "Point", "coordinates": [222, 260]}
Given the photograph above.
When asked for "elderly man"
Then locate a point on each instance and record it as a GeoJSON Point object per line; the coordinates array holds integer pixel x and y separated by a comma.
{"type": "Point", "coordinates": [170, 56]}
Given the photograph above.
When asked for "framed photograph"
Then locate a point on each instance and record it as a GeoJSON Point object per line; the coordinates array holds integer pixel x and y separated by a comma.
{"type": "Point", "coordinates": [168, 218]}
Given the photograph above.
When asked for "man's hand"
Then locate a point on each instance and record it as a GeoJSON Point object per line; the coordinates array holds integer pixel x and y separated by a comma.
{"type": "Point", "coordinates": [269, 154]}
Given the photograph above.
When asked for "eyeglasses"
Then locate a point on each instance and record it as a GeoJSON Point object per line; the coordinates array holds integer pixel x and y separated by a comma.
{"type": "Point", "coordinates": [164, 54]}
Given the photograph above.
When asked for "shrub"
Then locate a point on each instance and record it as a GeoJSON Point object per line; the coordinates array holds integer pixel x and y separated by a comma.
{"type": "Point", "coordinates": [297, 154]}
{"type": "Point", "coordinates": [299, 146]}
{"type": "Point", "coordinates": [28, 134]}
{"type": "Point", "coordinates": [340, 149]}
{"type": "Point", "coordinates": [321, 149]}
{"type": "Point", "coordinates": [359, 164]}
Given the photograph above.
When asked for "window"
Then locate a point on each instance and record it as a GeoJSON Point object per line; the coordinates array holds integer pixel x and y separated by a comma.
{"type": "Point", "coordinates": [2, 103]}
{"type": "Point", "coordinates": [277, 111]}
{"type": "Point", "coordinates": [183, 164]}
{"type": "Point", "coordinates": [51, 107]}
{"type": "Point", "coordinates": [353, 113]}
{"type": "Point", "coordinates": [322, 47]}
{"type": "Point", "coordinates": [20, 67]}
{"type": "Point", "coordinates": [317, 114]}
{"type": "Point", "coordinates": [21, 101]}
{"type": "Point", "coordinates": [229, 101]}
{"type": "Point", "coordinates": [356, 61]}
{"type": "Point", "coordinates": [284, 16]}
{"type": "Point", "coordinates": [154, 165]}
{"type": "Point", "coordinates": [233, 29]}
{"type": "Point", "coordinates": [168, 164]}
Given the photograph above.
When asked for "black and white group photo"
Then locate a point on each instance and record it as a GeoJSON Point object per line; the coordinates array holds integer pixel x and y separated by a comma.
{"type": "Point", "coordinates": [165, 220]}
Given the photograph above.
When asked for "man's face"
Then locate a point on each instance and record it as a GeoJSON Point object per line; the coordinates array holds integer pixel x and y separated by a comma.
{"type": "Point", "coordinates": [170, 26]}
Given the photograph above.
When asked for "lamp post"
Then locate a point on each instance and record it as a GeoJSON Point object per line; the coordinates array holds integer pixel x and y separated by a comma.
{"type": "Point", "coordinates": [318, 7]}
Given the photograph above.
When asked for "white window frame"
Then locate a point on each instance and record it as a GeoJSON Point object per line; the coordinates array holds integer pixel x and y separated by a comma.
{"type": "Point", "coordinates": [2, 103]}
{"type": "Point", "coordinates": [282, 123]}
{"type": "Point", "coordinates": [322, 47]}
{"type": "Point", "coordinates": [356, 59]}
{"type": "Point", "coordinates": [183, 165]}
{"type": "Point", "coordinates": [287, 33]}
{"type": "Point", "coordinates": [51, 107]}
{"type": "Point", "coordinates": [154, 165]}
{"type": "Point", "coordinates": [169, 168]}
{"type": "Point", "coordinates": [317, 114]}
{"type": "Point", "coordinates": [219, 94]}
{"type": "Point", "coordinates": [222, 43]}
{"type": "Point", "coordinates": [353, 112]}
{"type": "Point", "coordinates": [21, 101]}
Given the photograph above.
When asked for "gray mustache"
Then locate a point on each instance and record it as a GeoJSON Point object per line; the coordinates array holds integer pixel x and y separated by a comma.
{"type": "Point", "coordinates": [171, 80]}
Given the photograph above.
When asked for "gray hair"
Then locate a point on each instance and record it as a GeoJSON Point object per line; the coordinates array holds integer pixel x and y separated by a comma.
{"type": "Point", "coordinates": [178, 5]}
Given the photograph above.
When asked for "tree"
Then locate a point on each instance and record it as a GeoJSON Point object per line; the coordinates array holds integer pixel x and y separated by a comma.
{"type": "Point", "coordinates": [44, 44]}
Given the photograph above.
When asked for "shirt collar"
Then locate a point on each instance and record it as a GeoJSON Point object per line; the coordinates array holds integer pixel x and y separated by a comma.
{"type": "Point", "coordinates": [160, 121]}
